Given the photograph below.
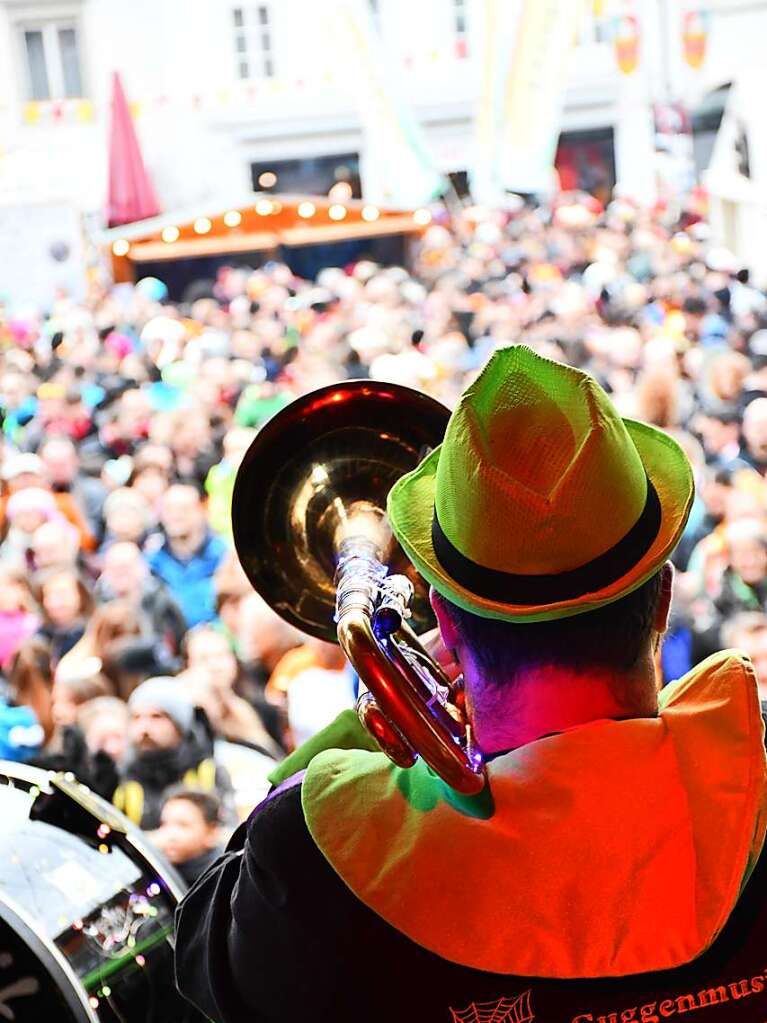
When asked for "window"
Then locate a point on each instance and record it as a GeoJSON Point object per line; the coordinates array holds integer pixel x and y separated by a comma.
{"type": "Point", "coordinates": [51, 53]}
{"type": "Point", "coordinates": [460, 28]}
{"type": "Point", "coordinates": [596, 25]}
{"type": "Point", "coordinates": [311, 175]}
{"type": "Point", "coordinates": [253, 42]}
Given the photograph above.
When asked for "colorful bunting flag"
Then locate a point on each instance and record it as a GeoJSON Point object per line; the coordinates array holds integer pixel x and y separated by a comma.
{"type": "Point", "coordinates": [626, 42]}
{"type": "Point", "coordinates": [695, 27]}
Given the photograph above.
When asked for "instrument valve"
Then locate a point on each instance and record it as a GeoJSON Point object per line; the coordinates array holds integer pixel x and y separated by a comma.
{"type": "Point", "coordinates": [393, 606]}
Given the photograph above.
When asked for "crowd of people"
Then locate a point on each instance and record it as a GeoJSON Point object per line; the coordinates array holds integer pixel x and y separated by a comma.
{"type": "Point", "coordinates": [133, 650]}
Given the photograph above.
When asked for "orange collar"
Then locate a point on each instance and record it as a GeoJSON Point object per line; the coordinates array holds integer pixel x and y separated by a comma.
{"type": "Point", "coordinates": [612, 848]}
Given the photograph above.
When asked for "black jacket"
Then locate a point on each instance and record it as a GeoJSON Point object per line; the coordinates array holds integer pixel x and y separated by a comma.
{"type": "Point", "coordinates": [61, 640]}
{"type": "Point", "coordinates": [191, 869]}
{"type": "Point", "coordinates": [162, 620]}
{"type": "Point", "coordinates": [270, 934]}
{"type": "Point", "coordinates": [96, 770]}
{"type": "Point", "coordinates": [148, 776]}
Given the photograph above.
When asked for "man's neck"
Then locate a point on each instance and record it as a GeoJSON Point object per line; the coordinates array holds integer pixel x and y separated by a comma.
{"type": "Point", "coordinates": [551, 699]}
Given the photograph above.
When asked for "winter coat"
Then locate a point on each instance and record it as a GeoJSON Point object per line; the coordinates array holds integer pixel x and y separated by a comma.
{"type": "Point", "coordinates": [70, 753]}
{"type": "Point", "coordinates": [190, 581]}
{"type": "Point", "coordinates": [61, 639]}
{"type": "Point", "coordinates": [149, 775]}
{"type": "Point", "coordinates": [191, 869]}
{"type": "Point", "coordinates": [160, 616]}
{"type": "Point", "coordinates": [735, 595]}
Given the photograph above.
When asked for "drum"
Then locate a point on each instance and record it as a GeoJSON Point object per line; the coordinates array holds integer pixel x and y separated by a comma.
{"type": "Point", "coordinates": [86, 909]}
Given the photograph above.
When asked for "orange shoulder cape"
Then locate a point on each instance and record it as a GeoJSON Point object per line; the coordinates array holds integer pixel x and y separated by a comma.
{"type": "Point", "coordinates": [612, 848]}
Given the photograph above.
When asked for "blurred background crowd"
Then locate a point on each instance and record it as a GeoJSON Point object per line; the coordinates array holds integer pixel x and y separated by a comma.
{"type": "Point", "coordinates": [132, 648]}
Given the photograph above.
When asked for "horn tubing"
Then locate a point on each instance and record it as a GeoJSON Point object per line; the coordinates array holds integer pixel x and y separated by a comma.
{"type": "Point", "coordinates": [394, 687]}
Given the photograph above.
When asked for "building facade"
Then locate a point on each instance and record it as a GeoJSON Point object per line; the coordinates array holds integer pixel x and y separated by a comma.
{"type": "Point", "coordinates": [229, 95]}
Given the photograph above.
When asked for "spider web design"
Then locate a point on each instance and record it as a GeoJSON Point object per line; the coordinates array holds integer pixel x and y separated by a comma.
{"type": "Point", "coordinates": [507, 1010]}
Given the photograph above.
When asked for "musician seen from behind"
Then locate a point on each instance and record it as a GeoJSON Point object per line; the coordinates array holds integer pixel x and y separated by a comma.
{"type": "Point", "coordinates": [610, 869]}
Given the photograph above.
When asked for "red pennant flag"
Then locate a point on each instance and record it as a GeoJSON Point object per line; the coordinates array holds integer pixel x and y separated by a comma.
{"type": "Point", "coordinates": [131, 194]}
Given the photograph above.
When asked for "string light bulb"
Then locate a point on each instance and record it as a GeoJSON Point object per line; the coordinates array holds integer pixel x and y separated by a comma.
{"type": "Point", "coordinates": [264, 207]}
{"type": "Point", "coordinates": [170, 234]}
{"type": "Point", "coordinates": [267, 179]}
{"type": "Point", "coordinates": [306, 209]}
{"type": "Point", "coordinates": [341, 191]}
{"type": "Point", "coordinates": [422, 217]}
{"type": "Point", "coordinates": [370, 213]}
{"type": "Point", "coordinates": [121, 247]}
{"type": "Point", "coordinates": [232, 218]}
{"type": "Point", "coordinates": [202, 225]}
{"type": "Point", "coordinates": [337, 211]}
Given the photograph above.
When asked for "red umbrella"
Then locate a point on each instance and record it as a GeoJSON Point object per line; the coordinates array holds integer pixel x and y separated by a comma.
{"type": "Point", "coordinates": [131, 194]}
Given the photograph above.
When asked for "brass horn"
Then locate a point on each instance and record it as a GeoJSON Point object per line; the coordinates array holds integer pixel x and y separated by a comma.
{"type": "Point", "coordinates": [311, 532]}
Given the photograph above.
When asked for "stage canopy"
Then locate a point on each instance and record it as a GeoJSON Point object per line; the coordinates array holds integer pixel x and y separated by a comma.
{"type": "Point", "coordinates": [257, 222]}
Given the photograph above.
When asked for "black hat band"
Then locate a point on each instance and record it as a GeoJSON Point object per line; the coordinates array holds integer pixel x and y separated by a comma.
{"type": "Point", "coordinates": [532, 590]}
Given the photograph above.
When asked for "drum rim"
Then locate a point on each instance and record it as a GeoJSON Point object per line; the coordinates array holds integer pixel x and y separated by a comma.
{"type": "Point", "coordinates": [54, 962]}
{"type": "Point", "coordinates": [42, 778]}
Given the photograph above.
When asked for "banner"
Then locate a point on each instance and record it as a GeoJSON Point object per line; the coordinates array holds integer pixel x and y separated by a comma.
{"type": "Point", "coordinates": [64, 111]}
{"type": "Point", "coordinates": [484, 178]}
{"type": "Point", "coordinates": [519, 115]}
{"type": "Point", "coordinates": [626, 42]}
{"type": "Point", "coordinates": [238, 95]}
{"type": "Point", "coordinates": [695, 25]}
{"type": "Point", "coordinates": [396, 168]}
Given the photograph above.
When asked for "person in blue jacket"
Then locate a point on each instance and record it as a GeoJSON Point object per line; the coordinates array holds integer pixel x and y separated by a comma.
{"type": "Point", "coordinates": [187, 558]}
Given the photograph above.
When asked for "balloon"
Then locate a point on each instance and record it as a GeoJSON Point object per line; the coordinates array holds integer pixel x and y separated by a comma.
{"type": "Point", "coordinates": [152, 288]}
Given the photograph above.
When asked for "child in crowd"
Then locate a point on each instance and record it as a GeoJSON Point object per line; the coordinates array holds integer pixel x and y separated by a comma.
{"type": "Point", "coordinates": [67, 604]}
{"type": "Point", "coordinates": [26, 511]}
{"type": "Point", "coordinates": [104, 724]}
{"type": "Point", "coordinates": [18, 613]}
{"type": "Point", "coordinates": [190, 831]}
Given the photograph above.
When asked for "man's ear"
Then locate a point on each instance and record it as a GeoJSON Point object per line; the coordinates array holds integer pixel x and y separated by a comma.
{"type": "Point", "coordinates": [664, 604]}
{"type": "Point", "coordinates": [447, 629]}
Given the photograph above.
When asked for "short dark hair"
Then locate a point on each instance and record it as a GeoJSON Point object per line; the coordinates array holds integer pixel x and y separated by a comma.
{"type": "Point", "coordinates": [613, 636]}
{"type": "Point", "coordinates": [206, 802]}
{"type": "Point", "coordinates": [695, 305]}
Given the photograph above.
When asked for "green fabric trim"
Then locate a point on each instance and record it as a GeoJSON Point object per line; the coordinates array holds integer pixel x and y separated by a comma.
{"type": "Point", "coordinates": [345, 732]}
{"type": "Point", "coordinates": [424, 790]}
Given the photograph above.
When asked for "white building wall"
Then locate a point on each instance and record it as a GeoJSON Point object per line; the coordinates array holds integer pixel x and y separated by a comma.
{"type": "Point", "coordinates": [200, 128]}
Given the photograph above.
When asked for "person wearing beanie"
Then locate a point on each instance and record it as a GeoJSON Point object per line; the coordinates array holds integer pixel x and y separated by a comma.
{"type": "Point", "coordinates": [168, 746]}
{"type": "Point", "coordinates": [26, 510]}
{"type": "Point", "coordinates": [27, 471]}
{"type": "Point", "coordinates": [609, 865]}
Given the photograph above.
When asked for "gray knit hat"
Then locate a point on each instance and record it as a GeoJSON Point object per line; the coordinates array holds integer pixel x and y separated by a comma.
{"type": "Point", "coordinates": [166, 694]}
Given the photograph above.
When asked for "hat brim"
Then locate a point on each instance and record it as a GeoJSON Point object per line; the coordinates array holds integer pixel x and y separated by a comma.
{"type": "Point", "coordinates": [411, 509]}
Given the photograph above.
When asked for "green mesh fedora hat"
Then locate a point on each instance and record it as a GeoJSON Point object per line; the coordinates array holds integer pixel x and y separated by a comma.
{"type": "Point", "coordinates": [541, 502]}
